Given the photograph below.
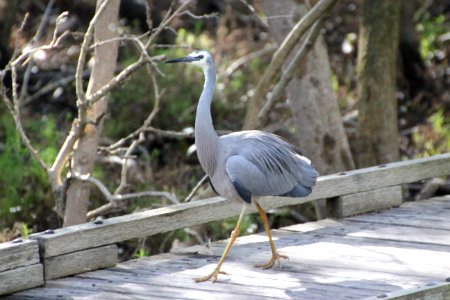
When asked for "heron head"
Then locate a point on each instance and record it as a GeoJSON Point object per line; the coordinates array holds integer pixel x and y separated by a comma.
{"type": "Point", "coordinates": [201, 58]}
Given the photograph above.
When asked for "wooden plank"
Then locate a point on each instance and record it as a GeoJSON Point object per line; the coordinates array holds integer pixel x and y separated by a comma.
{"type": "Point", "coordinates": [241, 283]}
{"type": "Point", "coordinates": [74, 238]}
{"type": "Point", "coordinates": [81, 261]}
{"type": "Point", "coordinates": [410, 220]}
{"type": "Point", "coordinates": [18, 254]}
{"type": "Point", "coordinates": [242, 271]}
{"type": "Point", "coordinates": [340, 252]}
{"type": "Point", "coordinates": [390, 232]}
{"type": "Point", "coordinates": [359, 203]}
{"type": "Point", "coordinates": [22, 278]}
{"type": "Point", "coordinates": [430, 291]}
{"type": "Point", "coordinates": [90, 288]}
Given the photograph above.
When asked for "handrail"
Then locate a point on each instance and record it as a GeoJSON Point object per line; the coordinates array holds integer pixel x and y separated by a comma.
{"type": "Point", "coordinates": [146, 223]}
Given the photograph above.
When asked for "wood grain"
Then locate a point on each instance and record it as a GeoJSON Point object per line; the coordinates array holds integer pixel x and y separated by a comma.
{"type": "Point", "coordinates": [81, 261]}
{"type": "Point", "coordinates": [14, 255]}
{"type": "Point", "coordinates": [359, 203]}
{"type": "Point", "coordinates": [22, 278]}
{"type": "Point", "coordinates": [431, 291]}
{"type": "Point", "coordinates": [166, 219]}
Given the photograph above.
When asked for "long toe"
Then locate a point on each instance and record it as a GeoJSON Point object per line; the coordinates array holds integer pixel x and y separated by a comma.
{"type": "Point", "coordinates": [275, 258]}
{"type": "Point", "coordinates": [212, 276]}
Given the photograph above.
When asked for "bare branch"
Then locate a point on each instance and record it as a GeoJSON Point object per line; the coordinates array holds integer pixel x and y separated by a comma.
{"type": "Point", "coordinates": [290, 71]}
{"type": "Point", "coordinates": [119, 78]}
{"type": "Point", "coordinates": [279, 57]}
{"type": "Point", "coordinates": [141, 138]}
{"type": "Point", "coordinates": [51, 86]}
{"type": "Point", "coordinates": [83, 53]}
{"type": "Point", "coordinates": [148, 13]}
{"type": "Point", "coordinates": [18, 122]}
{"type": "Point", "coordinates": [249, 57]}
{"type": "Point", "coordinates": [165, 22]}
{"type": "Point", "coordinates": [213, 15]}
{"type": "Point", "coordinates": [196, 188]}
{"type": "Point", "coordinates": [253, 11]}
{"type": "Point", "coordinates": [113, 199]}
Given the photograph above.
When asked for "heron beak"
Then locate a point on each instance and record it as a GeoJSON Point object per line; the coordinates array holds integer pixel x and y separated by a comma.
{"type": "Point", "coordinates": [185, 59]}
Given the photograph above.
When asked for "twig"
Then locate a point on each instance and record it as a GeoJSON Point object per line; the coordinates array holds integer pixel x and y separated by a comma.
{"type": "Point", "coordinates": [37, 37]}
{"type": "Point", "coordinates": [140, 139]}
{"type": "Point", "coordinates": [113, 199]}
{"type": "Point", "coordinates": [52, 86]}
{"type": "Point", "coordinates": [290, 71]}
{"type": "Point", "coordinates": [213, 15]}
{"type": "Point", "coordinates": [249, 57]}
{"type": "Point", "coordinates": [279, 57]}
{"type": "Point", "coordinates": [16, 113]}
{"type": "Point", "coordinates": [254, 13]}
{"type": "Point", "coordinates": [196, 188]}
{"type": "Point", "coordinates": [167, 19]}
{"type": "Point", "coordinates": [122, 197]}
{"type": "Point", "coordinates": [148, 13]}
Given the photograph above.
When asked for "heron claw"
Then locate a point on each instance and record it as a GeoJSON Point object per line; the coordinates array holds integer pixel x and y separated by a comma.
{"type": "Point", "coordinates": [275, 257]}
{"type": "Point", "coordinates": [212, 276]}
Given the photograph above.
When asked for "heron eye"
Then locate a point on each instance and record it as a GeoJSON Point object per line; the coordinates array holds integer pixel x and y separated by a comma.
{"type": "Point", "coordinates": [200, 57]}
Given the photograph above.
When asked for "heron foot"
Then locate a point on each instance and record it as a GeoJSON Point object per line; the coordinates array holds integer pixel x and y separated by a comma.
{"type": "Point", "coordinates": [212, 276]}
{"type": "Point", "coordinates": [275, 257]}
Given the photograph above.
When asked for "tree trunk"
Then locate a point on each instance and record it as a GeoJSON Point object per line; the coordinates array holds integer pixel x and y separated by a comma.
{"type": "Point", "coordinates": [376, 67]}
{"type": "Point", "coordinates": [85, 153]}
{"type": "Point", "coordinates": [319, 128]}
{"type": "Point", "coordinates": [318, 124]}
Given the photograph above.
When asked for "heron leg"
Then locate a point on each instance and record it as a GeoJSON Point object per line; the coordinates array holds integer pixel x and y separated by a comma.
{"type": "Point", "coordinates": [234, 235]}
{"type": "Point", "coordinates": [275, 255]}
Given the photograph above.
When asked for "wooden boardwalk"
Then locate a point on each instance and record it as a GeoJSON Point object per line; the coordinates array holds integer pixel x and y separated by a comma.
{"type": "Point", "coordinates": [352, 258]}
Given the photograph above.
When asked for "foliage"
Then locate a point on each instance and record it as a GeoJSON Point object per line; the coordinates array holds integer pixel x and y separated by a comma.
{"type": "Point", "coordinates": [433, 137]}
{"type": "Point", "coordinates": [430, 28]}
{"type": "Point", "coordinates": [23, 180]}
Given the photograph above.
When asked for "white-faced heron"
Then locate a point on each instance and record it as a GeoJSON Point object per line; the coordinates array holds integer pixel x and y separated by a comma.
{"type": "Point", "coordinates": [245, 165]}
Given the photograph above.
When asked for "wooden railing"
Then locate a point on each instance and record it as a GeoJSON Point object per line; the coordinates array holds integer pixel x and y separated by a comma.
{"type": "Point", "coordinates": [76, 249]}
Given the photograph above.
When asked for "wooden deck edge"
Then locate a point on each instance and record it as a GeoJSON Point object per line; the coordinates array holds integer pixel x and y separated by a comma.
{"type": "Point", "coordinates": [80, 262]}
{"type": "Point", "coordinates": [22, 278]}
{"type": "Point", "coordinates": [432, 291]}
{"type": "Point", "coordinates": [359, 203]}
{"type": "Point", "coordinates": [18, 253]}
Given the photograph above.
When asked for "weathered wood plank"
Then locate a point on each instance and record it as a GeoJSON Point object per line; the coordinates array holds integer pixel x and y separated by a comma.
{"type": "Point", "coordinates": [340, 252]}
{"type": "Point", "coordinates": [389, 231]}
{"type": "Point", "coordinates": [165, 219]}
{"type": "Point", "coordinates": [18, 254]}
{"type": "Point", "coordinates": [430, 291]}
{"type": "Point", "coordinates": [243, 271]}
{"type": "Point", "coordinates": [81, 261]}
{"type": "Point", "coordinates": [22, 278]}
{"type": "Point", "coordinates": [359, 203]}
{"type": "Point", "coordinates": [410, 220]}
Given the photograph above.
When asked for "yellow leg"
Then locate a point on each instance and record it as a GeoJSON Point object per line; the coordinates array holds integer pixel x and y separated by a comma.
{"type": "Point", "coordinates": [234, 235]}
{"type": "Point", "coordinates": [275, 255]}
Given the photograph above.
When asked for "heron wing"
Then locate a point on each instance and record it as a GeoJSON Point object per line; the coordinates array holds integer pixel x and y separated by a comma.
{"type": "Point", "coordinates": [266, 165]}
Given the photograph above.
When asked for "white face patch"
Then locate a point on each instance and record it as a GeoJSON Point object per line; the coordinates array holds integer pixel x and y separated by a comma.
{"type": "Point", "coordinates": [203, 58]}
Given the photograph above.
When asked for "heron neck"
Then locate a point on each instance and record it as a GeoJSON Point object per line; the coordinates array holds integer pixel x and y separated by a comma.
{"type": "Point", "coordinates": [206, 139]}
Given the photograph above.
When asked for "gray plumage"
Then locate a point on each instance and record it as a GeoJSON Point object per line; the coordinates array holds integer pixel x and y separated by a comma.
{"type": "Point", "coordinates": [245, 164]}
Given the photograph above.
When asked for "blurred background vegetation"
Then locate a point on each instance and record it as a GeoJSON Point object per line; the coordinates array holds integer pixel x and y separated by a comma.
{"type": "Point", "coordinates": [165, 163]}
